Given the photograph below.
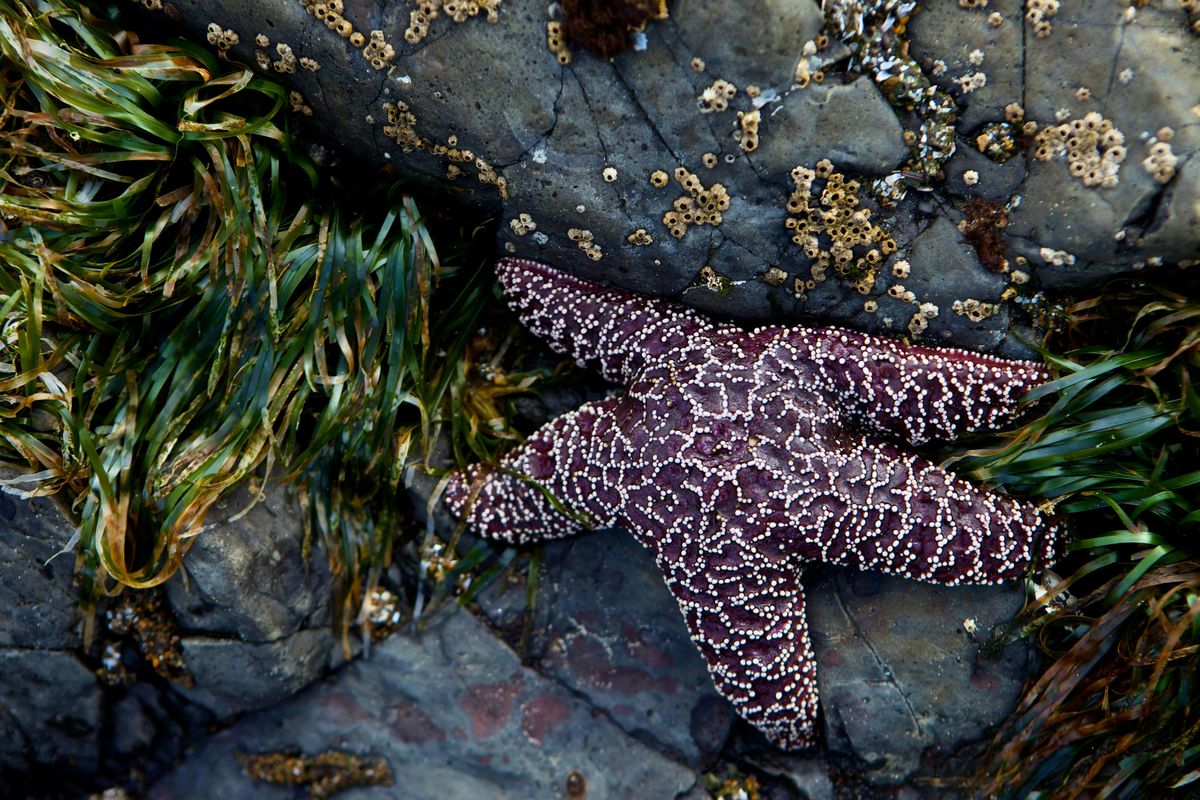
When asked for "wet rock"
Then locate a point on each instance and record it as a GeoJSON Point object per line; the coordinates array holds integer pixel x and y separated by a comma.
{"type": "Point", "coordinates": [233, 677]}
{"type": "Point", "coordinates": [895, 686]}
{"type": "Point", "coordinates": [248, 578]}
{"type": "Point", "coordinates": [945, 269]}
{"type": "Point", "coordinates": [455, 715]}
{"type": "Point", "coordinates": [851, 125]}
{"type": "Point", "coordinates": [37, 589]}
{"type": "Point", "coordinates": [50, 703]}
{"type": "Point", "coordinates": [255, 613]}
{"type": "Point", "coordinates": [576, 145]}
{"type": "Point", "coordinates": [50, 712]}
{"type": "Point", "coordinates": [607, 628]}
{"type": "Point", "coordinates": [1139, 69]}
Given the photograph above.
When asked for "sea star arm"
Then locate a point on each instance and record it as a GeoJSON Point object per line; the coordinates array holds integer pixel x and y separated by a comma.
{"type": "Point", "coordinates": [863, 503]}
{"type": "Point", "coordinates": [552, 486]}
{"type": "Point", "coordinates": [616, 330]}
{"type": "Point", "coordinates": [745, 611]}
{"type": "Point", "coordinates": [915, 393]}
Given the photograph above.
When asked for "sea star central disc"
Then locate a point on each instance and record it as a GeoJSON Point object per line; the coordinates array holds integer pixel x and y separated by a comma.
{"type": "Point", "coordinates": [738, 457]}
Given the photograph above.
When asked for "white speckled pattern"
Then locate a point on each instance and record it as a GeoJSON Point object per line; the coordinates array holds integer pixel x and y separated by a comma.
{"type": "Point", "coordinates": [738, 457]}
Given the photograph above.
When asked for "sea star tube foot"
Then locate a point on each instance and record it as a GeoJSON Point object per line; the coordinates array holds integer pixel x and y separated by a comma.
{"type": "Point", "coordinates": [739, 456]}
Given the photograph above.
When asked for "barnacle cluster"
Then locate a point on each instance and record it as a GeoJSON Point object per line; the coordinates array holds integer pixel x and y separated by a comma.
{"type": "Point", "coordinates": [1161, 161]}
{"type": "Point", "coordinates": [920, 318]}
{"type": "Point", "coordinates": [998, 141]}
{"type": "Point", "coordinates": [223, 39]}
{"type": "Point", "coordinates": [298, 105]}
{"type": "Point", "coordinates": [1039, 13]}
{"type": "Point", "coordinates": [828, 223]}
{"type": "Point", "coordinates": [748, 122]}
{"type": "Point", "coordinates": [975, 310]}
{"type": "Point", "coordinates": [458, 10]}
{"type": "Point", "coordinates": [1092, 145]}
{"type": "Point", "coordinates": [486, 173]}
{"type": "Point", "coordinates": [557, 42]}
{"type": "Point", "coordinates": [401, 126]}
{"type": "Point", "coordinates": [712, 280]}
{"type": "Point", "coordinates": [378, 51]}
{"type": "Point", "coordinates": [286, 63]}
{"type": "Point", "coordinates": [700, 206]}
{"type": "Point", "coordinates": [972, 81]}
{"type": "Point", "coordinates": [873, 30]}
{"type": "Point", "coordinates": [641, 237]}
{"type": "Point", "coordinates": [522, 224]}
{"type": "Point", "coordinates": [717, 96]}
{"type": "Point", "coordinates": [586, 241]}
{"type": "Point", "coordinates": [375, 49]}
{"type": "Point", "coordinates": [774, 277]}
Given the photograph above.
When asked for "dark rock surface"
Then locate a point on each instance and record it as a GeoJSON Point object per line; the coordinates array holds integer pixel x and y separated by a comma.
{"type": "Point", "coordinates": [40, 606]}
{"type": "Point", "coordinates": [50, 711]}
{"type": "Point", "coordinates": [253, 619]}
{"type": "Point", "coordinates": [607, 628]}
{"type": "Point", "coordinates": [1138, 68]}
{"type": "Point", "coordinates": [49, 700]}
{"type": "Point", "coordinates": [456, 716]}
{"type": "Point", "coordinates": [255, 615]}
{"type": "Point", "coordinates": [577, 144]}
{"type": "Point", "coordinates": [899, 674]}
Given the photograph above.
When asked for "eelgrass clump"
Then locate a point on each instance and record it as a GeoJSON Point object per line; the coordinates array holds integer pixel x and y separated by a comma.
{"type": "Point", "coordinates": [183, 309]}
{"type": "Point", "coordinates": [1116, 712]}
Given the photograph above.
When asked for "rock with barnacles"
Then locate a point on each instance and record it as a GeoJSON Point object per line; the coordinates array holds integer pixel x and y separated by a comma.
{"type": "Point", "coordinates": [246, 624]}
{"type": "Point", "coordinates": [578, 124]}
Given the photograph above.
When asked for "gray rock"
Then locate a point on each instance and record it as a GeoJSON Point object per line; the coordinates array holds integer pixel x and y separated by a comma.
{"type": "Point", "coordinates": [1140, 69]}
{"type": "Point", "coordinates": [552, 131]}
{"type": "Point", "coordinates": [247, 579]}
{"type": "Point", "coordinates": [809, 774]}
{"type": "Point", "coordinates": [945, 268]}
{"type": "Point", "coordinates": [50, 712]}
{"type": "Point", "coordinates": [233, 677]}
{"type": "Point", "coordinates": [50, 703]}
{"type": "Point", "coordinates": [851, 125]}
{"type": "Point", "coordinates": [898, 672]}
{"type": "Point", "coordinates": [455, 715]}
{"type": "Point", "coordinates": [254, 612]}
{"type": "Point", "coordinates": [37, 591]}
{"type": "Point", "coordinates": [607, 628]}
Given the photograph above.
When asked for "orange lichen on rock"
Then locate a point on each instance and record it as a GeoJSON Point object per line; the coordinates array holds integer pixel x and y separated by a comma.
{"type": "Point", "coordinates": [324, 774]}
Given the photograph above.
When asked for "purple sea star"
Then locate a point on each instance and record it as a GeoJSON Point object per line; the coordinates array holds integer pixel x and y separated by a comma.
{"type": "Point", "coordinates": [738, 457]}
